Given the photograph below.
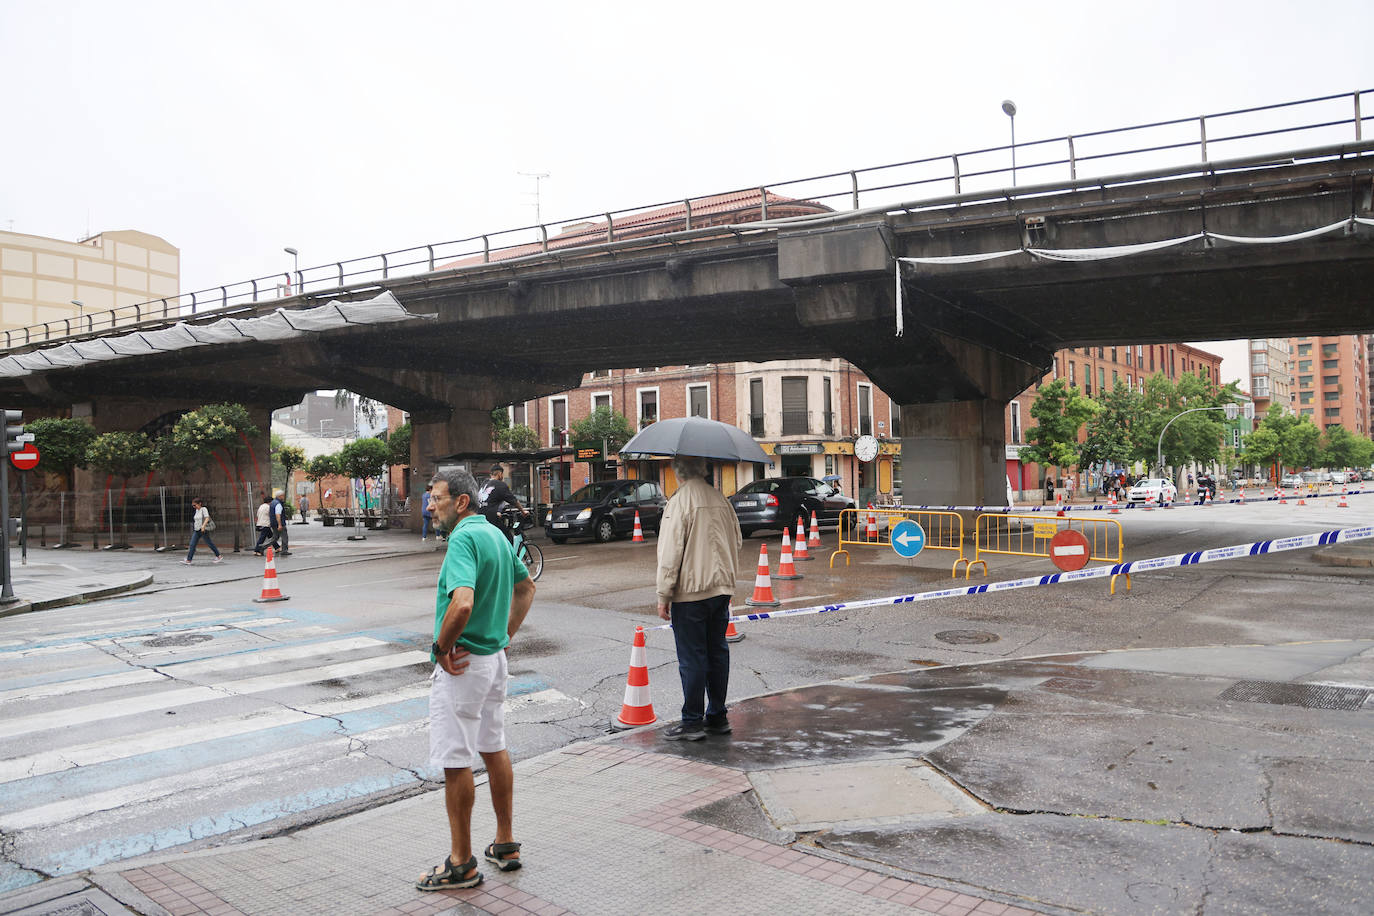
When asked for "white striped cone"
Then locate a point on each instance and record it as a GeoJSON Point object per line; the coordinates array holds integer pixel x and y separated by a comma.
{"type": "Point", "coordinates": [639, 532]}
{"type": "Point", "coordinates": [799, 544]}
{"type": "Point", "coordinates": [763, 586]}
{"type": "Point", "coordinates": [871, 532]}
{"type": "Point", "coordinates": [814, 539]}
{"type": "Point", "coordinates": [1283, 497]}
{"type": "Point", "coordinates": [270, 592]}
{"type": "Point", "coordinates": [637, 709]}
{"type": "Point", "coordinates": [1342, 504]}
{"type": "Point", "coordinates": [1059, 502]}
{"type": "Point", "coordinates": [785, 568]}
{"type": "Point", "coordinates": [1241, 493]}
{"type": "Point", "coordinates": [1111, 501]}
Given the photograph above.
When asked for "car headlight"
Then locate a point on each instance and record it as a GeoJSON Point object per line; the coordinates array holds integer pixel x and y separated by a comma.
{"type": "Point", "coordinates": [584, 515]}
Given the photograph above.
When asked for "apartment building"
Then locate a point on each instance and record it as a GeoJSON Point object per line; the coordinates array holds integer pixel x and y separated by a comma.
{"type": "Point", "coordinates": [804, 413]}
{"type": "Point", "coordinates": [1270, 379]}
{"type": "Point", "coordinates": [1331, 380]}
{"type": "Point", "coordinates": [43, 279]}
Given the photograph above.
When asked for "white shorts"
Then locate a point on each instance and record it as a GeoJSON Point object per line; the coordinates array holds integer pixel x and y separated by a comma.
{"type": "Point", "coordinates": [466, 712]}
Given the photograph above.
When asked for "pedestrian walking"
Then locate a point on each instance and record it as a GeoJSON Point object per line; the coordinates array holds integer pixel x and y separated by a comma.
{"type": "Point", "coordinates": [201, 526]}
{"type": "Point", "coordinates": [698, 554]}
{"type": "Point", "coordinates": [426, 511]}
{"type": "Point", "coordinates": [305, 510]}
{"type": "Point", "coordinates": [281, 538]}
{"type": "Point", "coordinates": [263, 523]}
{"type": "Point", "coordinates": [484, 593]}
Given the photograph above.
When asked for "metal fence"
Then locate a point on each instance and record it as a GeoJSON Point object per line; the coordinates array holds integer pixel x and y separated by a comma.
{"type": "Point", "coordinates": [873, 528]}
{"type": "Point", "coordinates": [1328, 126]}
{"type": "Point", "coordinates": [1030, 535]}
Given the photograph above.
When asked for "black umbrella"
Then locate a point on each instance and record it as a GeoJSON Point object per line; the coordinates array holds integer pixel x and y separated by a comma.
{"type": "Point", "coordinates": [696, 436]}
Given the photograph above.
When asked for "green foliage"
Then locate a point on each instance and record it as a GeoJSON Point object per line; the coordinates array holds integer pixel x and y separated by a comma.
{"type": "Point", "coordinates": [398, 446]}
{"type": "Point", "coordinates": [123, 454]}
{"type": "Point", "coordinates": [1186, 436]}
{"type": "Point", "coordinates": [500, 422]}
{"type": "Point", "coordinates": [62, 443]}
{"type": "Point", "coordinates": [363, 458]}
{"type": "Point", "coordinates": [1112, 431]}
{"type": "Point", "coordinates": [320, 467]}
{"type": "Point", "coordinates": [1262, 446]}
{"type": "Point", "coordinates": [1060, 412]}
{"type": "Point", "coordinates": [519, 438]}
{"type": "Point", "coordinates": [291, 457]}
{"type": "Point", "coordinates": [603, 423]}
{"type": "Point", "coordinates": [199, 433]}
{"type": "Point", "coordinates": [1300, 443]}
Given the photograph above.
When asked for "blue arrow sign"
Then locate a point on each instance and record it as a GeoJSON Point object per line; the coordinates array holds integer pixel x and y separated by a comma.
{"type": "Point", "coordinates": [908, 538]}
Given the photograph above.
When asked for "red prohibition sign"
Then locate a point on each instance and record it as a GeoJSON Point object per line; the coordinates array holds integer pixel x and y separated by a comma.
{"type": "Point", "coordinates": [26, 459]}
{"type": "Point", "coordinates": [1069, 550]}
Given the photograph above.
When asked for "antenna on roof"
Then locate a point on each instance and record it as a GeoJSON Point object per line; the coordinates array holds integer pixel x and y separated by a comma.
{"type": "Point", "coordinates": [538, 177]}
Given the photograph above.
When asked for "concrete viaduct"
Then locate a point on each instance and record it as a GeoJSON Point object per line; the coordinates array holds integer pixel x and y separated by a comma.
{"type": "Point", "coordinates": [974, 334]}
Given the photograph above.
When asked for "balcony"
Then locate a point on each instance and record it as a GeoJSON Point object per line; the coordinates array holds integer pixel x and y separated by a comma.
{"type": "Point", "coordinates": [796, 423]}
{"type": "Point", "coordinates": [756, 426]}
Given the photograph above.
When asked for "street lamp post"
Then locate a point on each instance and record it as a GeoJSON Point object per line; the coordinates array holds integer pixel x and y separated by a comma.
{"type": "Point", "coordinates": [295, 266]}
{"type": "Point", "coordinates": [80, 311]}
{"type": "Point", "coordinates": [1232, 411]}
{"type": "Point", "coordinates": [1009, 109]}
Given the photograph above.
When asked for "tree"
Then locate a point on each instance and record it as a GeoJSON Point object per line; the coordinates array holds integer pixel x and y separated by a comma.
{"type": "Point", "coordinates": [1060, 412]}
{"type": "Point", "coordinates": [1112, 434]}
{"type": "Point", "coordinates": [63, 444]}
{"type": "Point", "coordinates": [520, 438]}
{"type": "Point", "coordinates": [215, 426]}
{"type": "Point", "coordinates": [398, 447]}
{"type": "Point", "coordinates": [320, 467]}
{"type": "Point", "coordinates": [500, 422]}
{"type": "Point", "coordinates": [364, 459]}
{"type": "Point", "coordinates": [289, 457]}
{"type": "Point", "coordinates": [123, 455]}
{"type": "Point", "coordinates": [604, 424]}
{"type": "Point", "coordinates": [1262, 446]}
{"type": "Point", "coordinates": [1337, 447]}
{"type": "Point", "coordinates": [1300, 443]}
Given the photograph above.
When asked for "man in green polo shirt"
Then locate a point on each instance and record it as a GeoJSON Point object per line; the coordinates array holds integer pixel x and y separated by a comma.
{"type": "Point", "coordinates": [484, 595]}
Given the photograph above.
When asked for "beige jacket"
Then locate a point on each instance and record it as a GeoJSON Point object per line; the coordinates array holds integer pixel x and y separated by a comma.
{"type": "Point", "coordinates": [698, 545]}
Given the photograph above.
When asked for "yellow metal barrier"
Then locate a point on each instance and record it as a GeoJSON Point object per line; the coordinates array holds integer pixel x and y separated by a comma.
{"type": "Point", "coordinates": [873, 528]}
{"type": "Point", "coordinates": [1029, 536]}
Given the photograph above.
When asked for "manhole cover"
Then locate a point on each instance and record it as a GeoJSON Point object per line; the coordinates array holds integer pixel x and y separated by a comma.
{"type": "Point", "coordinates": [181, 639]}
{"type": "Point", "coordinates": [965, 637]}
{"type": "Point", "coordinates": [1070, 683]}
{"type": "Point", "coordinates": [1308, 696]}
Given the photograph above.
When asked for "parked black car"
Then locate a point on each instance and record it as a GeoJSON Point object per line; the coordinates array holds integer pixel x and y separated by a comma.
{"type": "Point", "coordinates": [777, 501]}
{"type": "Point", "coordinates": [606, 510]}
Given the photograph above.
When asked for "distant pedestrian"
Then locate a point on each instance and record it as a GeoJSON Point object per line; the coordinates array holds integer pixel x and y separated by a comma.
{"type": "Point", "coordinates": [201, 526]}
{"type": "Point", "coordinates": [1049, 489]}
{"type": "Point", "coordinates": [426, 511]}
{"type": "Point", "coordinates": [281, 538]}
{"type": "Point", "coordinates": [698, 553]}
{"type": "Point", "coordinates": [263, 523]}
{"type": "Point", "coordinates": [484, 594]}
{"type": "Point", "coordinates": [305, 510]}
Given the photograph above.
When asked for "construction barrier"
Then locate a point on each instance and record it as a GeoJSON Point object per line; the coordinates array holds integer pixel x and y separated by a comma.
{"type": "Point", "coordinates": [1030, 535]}
{"type": "Point", "coordinates": [1239, 499]}
{"type": "Point", "coordinates": [944, 530]}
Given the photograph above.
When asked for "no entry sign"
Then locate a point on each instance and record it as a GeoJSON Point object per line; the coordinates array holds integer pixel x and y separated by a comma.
{"type": "Point", "coordinates": [1069, 550]}
{"type": "Point", "coordinates": [26, 459]}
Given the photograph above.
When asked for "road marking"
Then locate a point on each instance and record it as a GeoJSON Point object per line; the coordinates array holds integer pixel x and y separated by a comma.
{"type": "Point", "coordinates": [81, 685]}
{"type": "Point", "coordinates": [178, 736]}
{"type": "Point", "coordinates": [397, 579]}
{"type": "Point", "coordinates": [186, 696]}
{"type": "Point", "coordinates": [571, 556]}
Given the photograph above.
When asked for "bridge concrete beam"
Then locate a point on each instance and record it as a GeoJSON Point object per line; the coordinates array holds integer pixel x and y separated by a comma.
{"type": "Point", "coordinates": [954, 453]}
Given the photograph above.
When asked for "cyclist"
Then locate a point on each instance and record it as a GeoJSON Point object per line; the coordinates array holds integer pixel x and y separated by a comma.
{"type": "Point", "coordinates": [493, 496]}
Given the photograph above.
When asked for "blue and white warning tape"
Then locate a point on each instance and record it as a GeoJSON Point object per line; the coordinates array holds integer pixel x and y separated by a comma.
{"type": "Point", "coordinates": [1216, 554]}
{"type": "Point", "coordinates": [1102, 507]}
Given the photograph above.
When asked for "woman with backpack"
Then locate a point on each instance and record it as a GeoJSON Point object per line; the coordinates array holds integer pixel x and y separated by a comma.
{"type": "Point", "coordinates": [201, 526]}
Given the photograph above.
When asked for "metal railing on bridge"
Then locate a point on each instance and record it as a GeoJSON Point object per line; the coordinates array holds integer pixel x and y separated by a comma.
{"type": "Point", "coordinates": [1315, 128]}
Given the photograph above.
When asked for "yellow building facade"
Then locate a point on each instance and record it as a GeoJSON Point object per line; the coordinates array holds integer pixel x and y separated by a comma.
{"type": "Point", "coordinates": [42, 278]}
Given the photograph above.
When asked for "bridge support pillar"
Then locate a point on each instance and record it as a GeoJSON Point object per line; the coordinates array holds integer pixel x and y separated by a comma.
{"type": "Point", "coordinates": [953, 453]}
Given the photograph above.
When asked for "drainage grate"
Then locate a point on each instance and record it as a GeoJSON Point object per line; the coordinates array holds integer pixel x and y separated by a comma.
{"type": "Point", "coordinates": [1308, 696]}
{"type": "Point", "coordinates": [185, 639]}
{"type": "Point", "coordinates": [966, 637]}
{"type": "Point", "coordinates": [1077, 684]}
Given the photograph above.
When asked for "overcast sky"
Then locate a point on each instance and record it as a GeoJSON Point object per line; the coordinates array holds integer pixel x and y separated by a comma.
{"type": "Point", "coordinates": [343, 129]}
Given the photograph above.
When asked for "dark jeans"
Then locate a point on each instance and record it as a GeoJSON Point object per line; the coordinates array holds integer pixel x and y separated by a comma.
{"type": "Point", "coordinates": [196, 538]}
{"type": "Point", "coordinates": [264, 536]}
{"type": "Point", "coordinates": [703, 657]}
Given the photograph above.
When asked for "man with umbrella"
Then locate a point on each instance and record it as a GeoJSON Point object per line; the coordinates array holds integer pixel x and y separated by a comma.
{"type": "Point", "coordinates": [698, 556]}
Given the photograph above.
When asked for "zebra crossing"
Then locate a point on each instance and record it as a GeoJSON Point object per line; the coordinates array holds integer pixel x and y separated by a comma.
{"type": "Point", "coordinates": [128, 733]}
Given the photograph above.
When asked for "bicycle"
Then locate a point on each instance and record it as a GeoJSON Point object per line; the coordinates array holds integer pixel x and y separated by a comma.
{"type": "Point", "coordinates": [529, 553]}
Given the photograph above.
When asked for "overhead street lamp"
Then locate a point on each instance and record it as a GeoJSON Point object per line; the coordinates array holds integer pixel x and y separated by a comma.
{"type": "Point", "coordinates": [1009, 109]}
{"type": "Point", "coordinates": [295, 266]}
{"type": "Point", "coordinates": [80, 311]}
{"type": "Point", "coordinates": [1232, 411]}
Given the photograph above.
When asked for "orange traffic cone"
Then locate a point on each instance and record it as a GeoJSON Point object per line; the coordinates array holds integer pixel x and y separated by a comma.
{"type": "Point", "coordinates": [799, 545]}
{"type": "Point", "coordinates": [1283, 497]}
{"type": "Point", "coordinates": [1240, 494]}
{"type": "Point", "coordinates": [637, 709]}
{"type": "Point", "coordinates": [639, 532]}
{"type": "Point", "coordinates": [270, 592]}
{"type": "Point", "coordinates": [814, 540]}
{"type": "Point", "coordinates": [1111, 501]}
{"type": "Point", "coordinates": [1342, 504]}
{"type": "Point", "coordinates": [763, 586]}
{"type": "Point", "coordinates": [1207, 497]}
{"type": "Point", "coordinates": [785, 568]}
{"type": "Point", "coordinates": [1302, 499]}
{"type": "Point", "coordinates": [871, 532]}
{"type": "Point", "coordinates": [731, 634]}
{"type": "Point", "coordinates": [1059, 503]}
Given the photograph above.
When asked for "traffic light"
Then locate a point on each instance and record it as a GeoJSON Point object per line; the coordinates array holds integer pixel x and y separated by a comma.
{"type": "Point", "coordinates": [14, 431]}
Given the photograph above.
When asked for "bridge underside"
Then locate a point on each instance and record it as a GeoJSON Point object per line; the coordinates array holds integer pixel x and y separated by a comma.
{"type": "Point", "coordinates": [974, 335]}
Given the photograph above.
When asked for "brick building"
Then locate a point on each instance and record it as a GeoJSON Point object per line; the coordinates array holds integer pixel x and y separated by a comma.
{"type": "Point", "coordinates": [1331, 381]}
